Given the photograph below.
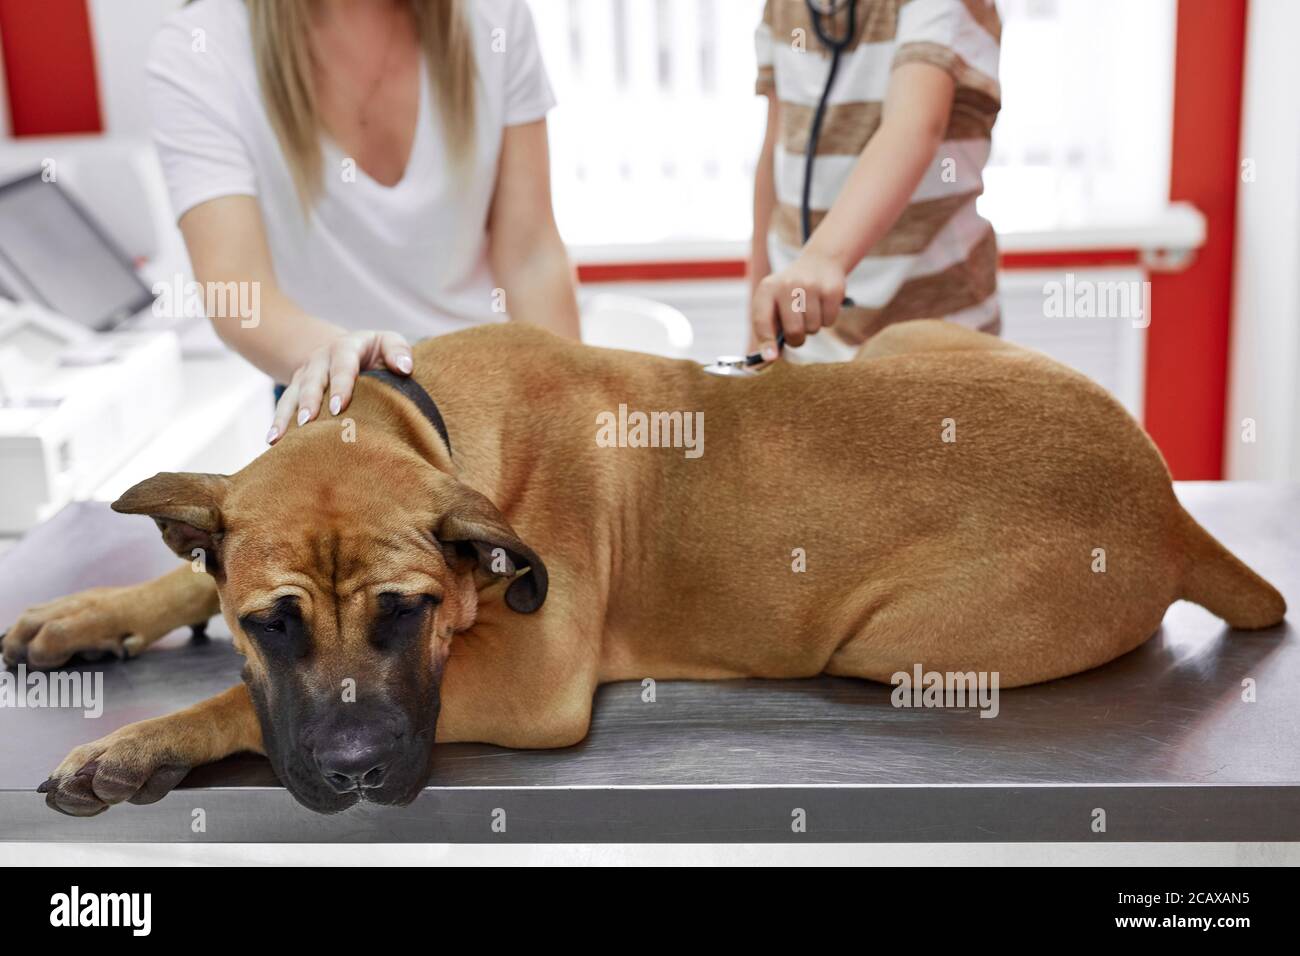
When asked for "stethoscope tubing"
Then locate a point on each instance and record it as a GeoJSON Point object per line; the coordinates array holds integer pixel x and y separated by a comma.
{"type": "Point", "coordinates": [836, 45]}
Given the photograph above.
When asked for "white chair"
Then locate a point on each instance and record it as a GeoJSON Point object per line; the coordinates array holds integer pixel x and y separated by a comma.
{"type": "Point", "coordinates": [616, 321]}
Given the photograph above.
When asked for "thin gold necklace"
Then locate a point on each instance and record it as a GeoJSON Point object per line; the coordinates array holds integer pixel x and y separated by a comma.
{"type": "Point", "coordinates": [362, 106]}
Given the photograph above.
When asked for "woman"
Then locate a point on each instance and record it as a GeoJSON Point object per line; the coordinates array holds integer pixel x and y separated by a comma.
{"type": "Point", "coordinates": [369, 164]}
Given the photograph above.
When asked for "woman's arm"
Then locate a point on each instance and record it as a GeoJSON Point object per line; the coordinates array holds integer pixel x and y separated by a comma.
{"type": "Point", "coordinates": [227, 243]}
{"type": "Point", "coordinates": [912, 127]}
{"type": "Point", "coordinates": [525, 251]}
{"type": "Point", "coordinates": [226, 239]}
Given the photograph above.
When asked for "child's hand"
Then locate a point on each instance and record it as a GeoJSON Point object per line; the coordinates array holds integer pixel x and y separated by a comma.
{"type": "Point", "coordinates": [801, 299]}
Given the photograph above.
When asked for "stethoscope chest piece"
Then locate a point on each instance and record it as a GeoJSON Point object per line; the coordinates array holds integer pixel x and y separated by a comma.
{"type": "Point", "coordinates": [731, 366]}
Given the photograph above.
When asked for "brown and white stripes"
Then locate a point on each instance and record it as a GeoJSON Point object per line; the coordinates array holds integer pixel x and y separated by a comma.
{"type": "Point", "coordinates": [940, 258]}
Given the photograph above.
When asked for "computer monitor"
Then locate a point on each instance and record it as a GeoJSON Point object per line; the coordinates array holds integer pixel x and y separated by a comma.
{"type": "Point", "coordinates": [53, 252]}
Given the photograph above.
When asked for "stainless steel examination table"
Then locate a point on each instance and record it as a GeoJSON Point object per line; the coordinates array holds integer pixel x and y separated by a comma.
{"type": "Point", "coordinates": [1163, 741]}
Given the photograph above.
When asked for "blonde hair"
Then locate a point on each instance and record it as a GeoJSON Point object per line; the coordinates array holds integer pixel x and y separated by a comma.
{"type": "Point", "coordinates": [280, 48]}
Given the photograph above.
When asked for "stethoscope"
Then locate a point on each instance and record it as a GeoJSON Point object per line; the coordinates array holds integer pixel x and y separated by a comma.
{"type": "Point", "coordinates": [744, 364]}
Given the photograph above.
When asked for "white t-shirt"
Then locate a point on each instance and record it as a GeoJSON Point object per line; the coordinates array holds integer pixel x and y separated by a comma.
{"type": "Point", "coordinates": [412, 257]}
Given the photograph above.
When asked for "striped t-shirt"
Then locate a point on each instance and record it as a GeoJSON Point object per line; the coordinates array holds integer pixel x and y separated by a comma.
{"type": "Point", "coordinates": [939, 260]}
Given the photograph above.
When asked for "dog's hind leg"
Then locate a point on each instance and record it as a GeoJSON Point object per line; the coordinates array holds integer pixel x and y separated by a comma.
{"type": "Point", "coordinates": [117, 620]}
{"type": "Point", "coordinates": [929, 335]}
{"type": "Point", "coordinates": [142, 762]}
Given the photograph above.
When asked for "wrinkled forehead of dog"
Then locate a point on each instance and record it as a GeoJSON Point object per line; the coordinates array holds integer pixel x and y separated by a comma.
{"type": "Point", "coordinates": [385, 510]}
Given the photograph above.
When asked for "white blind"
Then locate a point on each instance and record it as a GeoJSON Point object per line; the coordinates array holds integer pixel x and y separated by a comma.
{"type": "Point", "coordinates": [658, 128]}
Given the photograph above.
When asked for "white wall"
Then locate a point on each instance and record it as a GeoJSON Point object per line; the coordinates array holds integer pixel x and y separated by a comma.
{"type": "Point", "coordinates": [1264, 370]}
{"type": "Point", "coordinates": [122, 33]}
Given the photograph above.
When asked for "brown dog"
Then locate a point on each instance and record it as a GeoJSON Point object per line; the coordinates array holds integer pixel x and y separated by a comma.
{"type": "Point", "coordinates": [952, 500]}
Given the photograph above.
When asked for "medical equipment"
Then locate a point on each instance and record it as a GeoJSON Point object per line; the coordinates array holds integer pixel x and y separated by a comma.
{"type": "Point", "coordinates": [738, 365]}
{"type": "Point", "coordinates": [836, 45]}
{"type": "Point", "coordinates": [54, 253]}
{"type": "Point", "coordinates": [74, 407]}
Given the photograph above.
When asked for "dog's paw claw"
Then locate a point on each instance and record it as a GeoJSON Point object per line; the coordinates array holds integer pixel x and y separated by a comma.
{"type": "Point", "coordinates": [74, 795]}
{"type": "Point", "coordinates": [73, 806]}
{"type": "Point", "coordinates": [131, 765]}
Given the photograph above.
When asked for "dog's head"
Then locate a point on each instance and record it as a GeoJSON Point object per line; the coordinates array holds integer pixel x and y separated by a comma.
{"type": "Point", "coordinates": [343, 582]}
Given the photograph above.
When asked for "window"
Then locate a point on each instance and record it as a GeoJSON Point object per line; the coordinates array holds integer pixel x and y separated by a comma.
{"type": "Point", "coordinates": [658, 127]}
{"type": "Point", "coordinates": [1087, 97]}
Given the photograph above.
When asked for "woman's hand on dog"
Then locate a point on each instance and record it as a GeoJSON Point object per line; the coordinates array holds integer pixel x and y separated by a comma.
{"type": "Point", "coordinates": [332, 371]}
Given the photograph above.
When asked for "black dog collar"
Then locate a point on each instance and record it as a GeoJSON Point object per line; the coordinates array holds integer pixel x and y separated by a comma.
{"type": "Point", "coordinates": [412, 390]}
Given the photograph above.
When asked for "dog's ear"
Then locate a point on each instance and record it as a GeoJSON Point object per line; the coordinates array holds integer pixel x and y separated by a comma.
{"type": "Point", "coordinates": [474, 527]}
{"type": "Point", "coordinates": [187, 510]}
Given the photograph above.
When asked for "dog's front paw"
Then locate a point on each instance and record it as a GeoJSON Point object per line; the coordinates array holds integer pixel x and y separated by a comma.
{"type": "Point", "coordinates": [91, 623]}
{"type": "Point", "coordinates": [134, 764]}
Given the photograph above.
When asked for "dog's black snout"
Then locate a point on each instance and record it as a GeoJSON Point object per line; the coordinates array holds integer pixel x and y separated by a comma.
{"type": "Point", "coordinates": [356, 761]}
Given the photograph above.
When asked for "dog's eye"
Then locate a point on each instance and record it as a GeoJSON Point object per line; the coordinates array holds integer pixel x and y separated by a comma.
{"type": "Point", "coordinates": [280, 629]}
{"type": "Point", "coordinates": [397, 607]}
{"type": "Point", "coordinates": [400, 619]}
{"type": "Point", "coordinates": [270, 627]}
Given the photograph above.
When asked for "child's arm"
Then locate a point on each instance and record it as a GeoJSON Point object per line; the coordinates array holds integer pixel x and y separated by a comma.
{"type": "Point", "coordinates": [912, 126]}
{"type": "Point", "coordinates": [764, 196]}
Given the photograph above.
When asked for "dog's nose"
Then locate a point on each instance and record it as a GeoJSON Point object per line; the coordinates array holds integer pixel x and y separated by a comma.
{"type": "Point", "coordinates": [355, 762]}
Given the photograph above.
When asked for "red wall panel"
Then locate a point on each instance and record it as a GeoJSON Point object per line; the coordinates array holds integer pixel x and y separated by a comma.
{"type": "Point", "coordinates": [49, 65]}
{"type": "Point", "coordinates": [1187, 344]}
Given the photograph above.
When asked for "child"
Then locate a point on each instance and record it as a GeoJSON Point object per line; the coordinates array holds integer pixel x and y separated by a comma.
{"type": "Point", "coordinates": [896, 171]}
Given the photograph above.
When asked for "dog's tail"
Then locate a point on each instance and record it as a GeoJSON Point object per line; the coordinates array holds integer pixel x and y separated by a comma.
{"type": "Point", "coordinates": [1218, 581]}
